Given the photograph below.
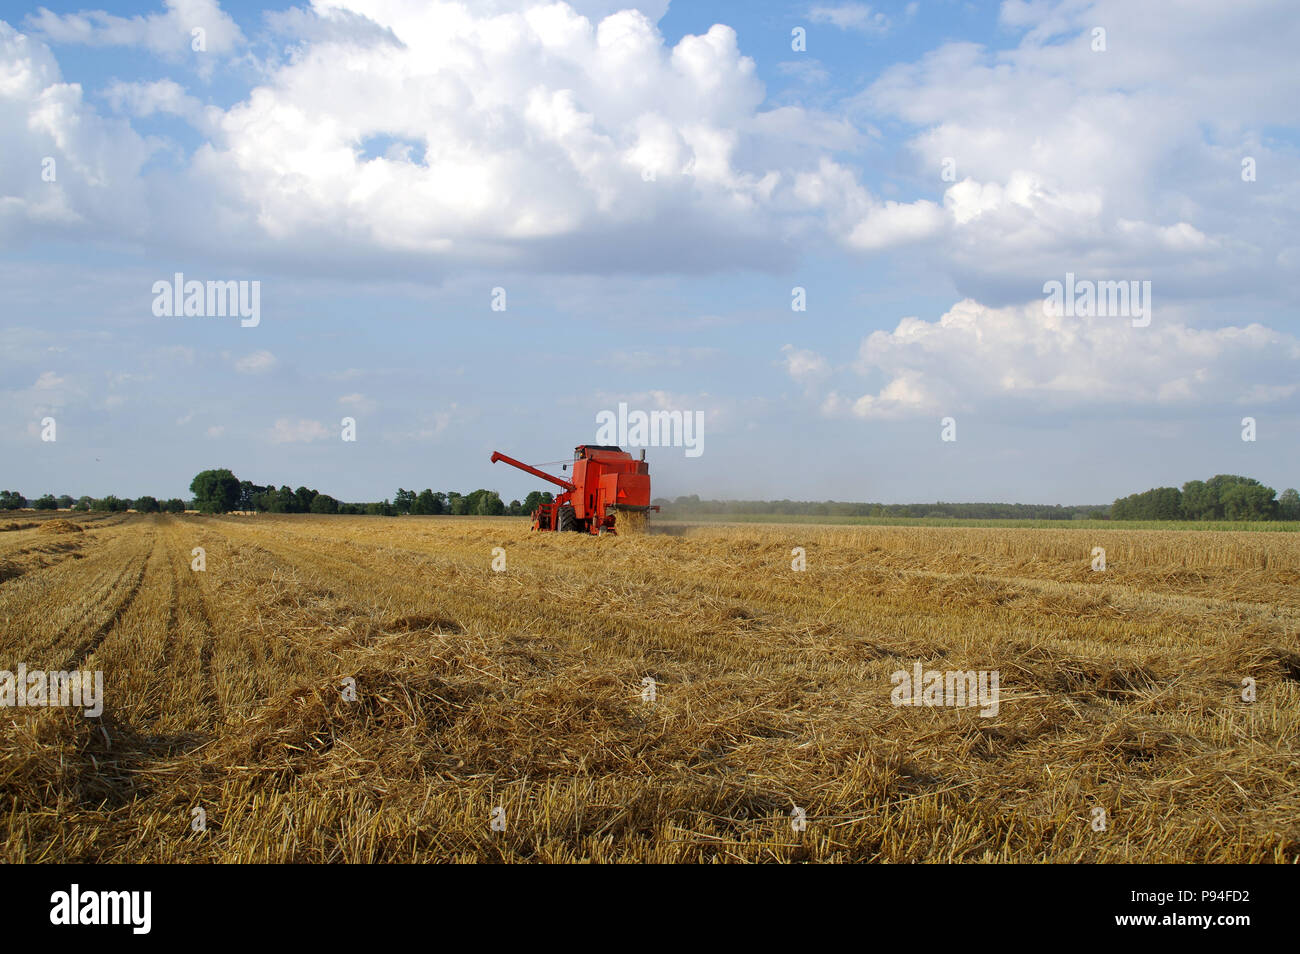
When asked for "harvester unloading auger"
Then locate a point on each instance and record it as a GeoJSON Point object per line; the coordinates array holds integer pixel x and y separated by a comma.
{"type": "Point", "coordinates": [609, 492]}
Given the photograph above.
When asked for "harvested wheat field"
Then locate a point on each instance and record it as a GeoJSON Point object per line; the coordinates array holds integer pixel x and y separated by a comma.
{"type": "Point", "coordinates": [683, 697]}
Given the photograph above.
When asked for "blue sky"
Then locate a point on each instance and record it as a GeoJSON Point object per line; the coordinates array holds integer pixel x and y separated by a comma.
{"type": "Point", "coordinates": [648, 186]}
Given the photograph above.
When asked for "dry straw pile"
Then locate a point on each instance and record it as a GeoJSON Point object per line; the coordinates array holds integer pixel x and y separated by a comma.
{"type": "Point", "coordinates": [630, 522]}
{"type": "Point", "coordinates": [59, 525]}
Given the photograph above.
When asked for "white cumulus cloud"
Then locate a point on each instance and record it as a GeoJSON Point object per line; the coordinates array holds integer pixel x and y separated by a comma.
{"type": "Point", "coordinates": [975, 356]}
{"type": "Point", "coordinates": [169, 33]}
{"type": "Point", "coordinates": [850, 16]}
{"type": "Point", "coordinates": [301, 431]}
{"type": "Point", "coordinates": [259, 362]}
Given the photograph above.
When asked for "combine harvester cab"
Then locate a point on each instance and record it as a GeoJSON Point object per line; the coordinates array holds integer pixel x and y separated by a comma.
{"type": "Point", "coordinates": [609, 492]}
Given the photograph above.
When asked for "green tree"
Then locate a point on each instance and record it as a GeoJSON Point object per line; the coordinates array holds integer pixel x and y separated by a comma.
{"type": "Point", "coordinates": [489, 504]}
{"type": "Point", "coordinates": [215, 491]}
{"type": "Point", "coordinates": [46, 502]}
{"type": "Point", "coordinates": [282, 500]}
{"type": "Point", "coordinates": [1222, 484]}
{"type": "Point", "coordinates": [1288, 505]}
{"type": "Point", "coordinates": [1159, 503]}
{"type": "Point", "coordinates": [262, 497]}
{"type": "Point", "coordinates": [428, 503]}
{"type": "Point", "coordinates": [147, 504]}
{"type": "Point", "coordinates": [303, 498]}
{"type": "Point", "coordinates": [1251, 501]}
{"type": "Point", "coordinates": [175, 505]}
{"type": "Point", "coordinates": [404, 501]}
{"type": "Point", "coordinates": [1200, 502]}
{"type": "Point", "coordinates": [82, 504]}
{"type": "Point", "coordinates": [251, 496]}
{"type": "Point", "coordinates": [324, 503]}
{"type": "Point", "coordinates": [1167, 503]}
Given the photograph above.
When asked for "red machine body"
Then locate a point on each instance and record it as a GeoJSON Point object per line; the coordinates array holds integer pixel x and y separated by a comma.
{"type": "Point", "coordinates": [606, 481]}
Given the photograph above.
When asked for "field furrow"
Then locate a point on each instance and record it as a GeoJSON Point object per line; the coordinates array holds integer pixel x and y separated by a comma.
{"type": "Point", "coordinates": [59, 614]}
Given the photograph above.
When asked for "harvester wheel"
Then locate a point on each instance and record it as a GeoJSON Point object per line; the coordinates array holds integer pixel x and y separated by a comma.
{"type": "Point", "coordinates": [567, 520]}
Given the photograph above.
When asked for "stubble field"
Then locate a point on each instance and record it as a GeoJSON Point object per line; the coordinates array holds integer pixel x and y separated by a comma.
{"type": "Point", "coordinates": [521, 697]}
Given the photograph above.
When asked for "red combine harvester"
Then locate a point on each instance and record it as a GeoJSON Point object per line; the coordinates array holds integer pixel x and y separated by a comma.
{"type": "Point", "coordinates": [610, 491]}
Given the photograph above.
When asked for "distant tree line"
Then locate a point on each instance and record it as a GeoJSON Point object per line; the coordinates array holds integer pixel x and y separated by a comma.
{"type": "Point", "coordinates": [13, 500]}
{"type": "Point", "coordinates": [832, 508]}
{"type": "Point", "coordinates": [485, 503]}
{"type": "Point", "coordinates": [220, 491]}
{"type": "Point", "coordinates": [1223, 497]}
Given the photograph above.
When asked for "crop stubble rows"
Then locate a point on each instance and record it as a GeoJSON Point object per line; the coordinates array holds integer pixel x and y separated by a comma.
{"type": "Point", "coordinates": [522, 689]}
